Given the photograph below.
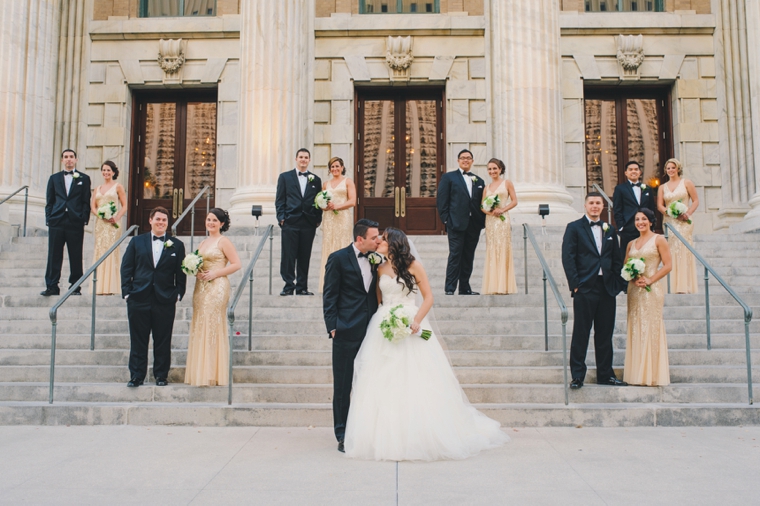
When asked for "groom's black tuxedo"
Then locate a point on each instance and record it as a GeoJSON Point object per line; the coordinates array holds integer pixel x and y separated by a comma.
{"type": "Point", "coordinates": [464, 220]}
{"type": "Point", "coordinates": [347, 309]}
{"type": "Point", "coordinates": [152, 293]}
{"type": "Point", "coordinates": [625, 207]}
{"type": "Point", "coordinates": [594, 300]}
{"type": "Point", "coordinates": [298, 219]}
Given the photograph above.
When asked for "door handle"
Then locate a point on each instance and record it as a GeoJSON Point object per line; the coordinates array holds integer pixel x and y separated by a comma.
{"type": "Point", "coordinates": [403, 201]}
{"type": "Point", "coordinates": [174, 203]}
{"type": "Point", "coordinates": [181, 201]}
{"type": "Point", "coordinates": [397, 201]}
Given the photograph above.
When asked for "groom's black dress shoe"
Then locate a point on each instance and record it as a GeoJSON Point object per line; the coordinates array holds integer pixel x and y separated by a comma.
{"type": "Point", "coordinates": [78, 291]}
{"type": "Point", "coordinates": [51, 291]}
{"type": "Point", "coordinates": [285, 293]}
{"type": "Point", "coordinates": [304, 292]}
{"type": "Point", "coordinates": [134, 382]}
{"type": "Point", "coordinates": [341, 447]}
{"type": "Point", "coordinates": [613, 382]}
{"type": "Point", "coordinates": [576, 384]}
{"type": "Point", "coordinates": [449, 293]}
{"type": "Point", "coordinates": [469, 292]}
{"type": "Point", "coordinates": [161, 382]}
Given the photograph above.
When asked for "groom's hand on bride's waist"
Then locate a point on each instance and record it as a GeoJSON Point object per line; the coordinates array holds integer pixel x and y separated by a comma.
{"type": "Point", "coordinates": [332, 334]}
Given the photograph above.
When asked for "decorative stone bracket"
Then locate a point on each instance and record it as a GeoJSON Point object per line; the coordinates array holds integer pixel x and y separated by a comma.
{"type": "Point", "coordinates": [398, 56]}
{"type": "Point", "coordinates": [171, 55]}
{"type": "Point", "coordinates": [630, 55]}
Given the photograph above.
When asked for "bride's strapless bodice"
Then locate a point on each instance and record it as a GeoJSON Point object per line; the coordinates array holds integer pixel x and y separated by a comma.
{"type": "Point", "coordinates": [394, 292]}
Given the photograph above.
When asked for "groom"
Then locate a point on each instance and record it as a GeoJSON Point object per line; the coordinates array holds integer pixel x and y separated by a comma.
{"type": "Point", "coordinates": [349, 301]}
{"type": "Point", "coordinates": [592, 262]}
{"type": "Point", "coordinates": [152, 282]}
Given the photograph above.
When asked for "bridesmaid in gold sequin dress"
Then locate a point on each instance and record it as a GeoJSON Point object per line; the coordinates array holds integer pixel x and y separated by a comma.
{"type": "Point", "coordinates": [683, 279]}
{"type": "Point", "coordinates": [499, 273]}
{"type": "Point", "coordinates": [646, 350]}
{"type": "Point", "coordinates": [337, 228]}
{"type": "Point", "coordinates": [208, 349]}
{"type": "Point", "coordinates": [106, 233]}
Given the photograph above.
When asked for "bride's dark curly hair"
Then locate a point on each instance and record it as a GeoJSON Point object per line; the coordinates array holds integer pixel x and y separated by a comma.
{"type": "Point", "coordinates": [400, 256]}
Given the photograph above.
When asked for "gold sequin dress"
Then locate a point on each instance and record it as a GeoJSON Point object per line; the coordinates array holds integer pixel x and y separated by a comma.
{"type": "Point", "coordinates": [499, 272]}
{"type": "Point", "coordinates": [109, 279]}
{"type": "Point", "coordinates": [336, 228]}
{"type": "Point", "coordinates": [208, 349]}
{"type": "Point", "coordinates": [683, 277]}
{"type": "Point", "coordinates": [646, 350]}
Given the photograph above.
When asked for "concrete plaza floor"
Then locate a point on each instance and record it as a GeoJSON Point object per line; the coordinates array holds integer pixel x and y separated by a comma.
{"type": "Point", "coordinates": [200, 465]}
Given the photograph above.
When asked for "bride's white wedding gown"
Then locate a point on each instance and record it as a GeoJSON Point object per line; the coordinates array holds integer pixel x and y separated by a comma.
{"type": "Point", "coordinates": [406, 402]}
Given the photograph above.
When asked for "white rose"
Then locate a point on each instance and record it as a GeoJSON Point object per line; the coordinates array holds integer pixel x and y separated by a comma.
{"type": "Point", "coordinates": [310, 178]}
{"type": "Point", "coordinates": [75, 175]}
{"type": "Point", "coordinates": [168, 244]}
{"type": "Point", "coordinates": [605, 227]}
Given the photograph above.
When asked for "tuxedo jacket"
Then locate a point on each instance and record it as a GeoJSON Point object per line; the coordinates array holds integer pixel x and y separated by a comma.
{"type": "Point", "coordinates": [76, 204]}
{"type": "Point", "coordinates": [291, 206]}
{"type": "Point", "coordinates": [347, 307]}
{"type": "Point", "coordinates": [139, 278]}
{"type": "Point", "coordinates": [581, 259]}
{"type": "Point", "coordinates": [625, 206]}
{"type": "Point", "coordinates": [455, 206]}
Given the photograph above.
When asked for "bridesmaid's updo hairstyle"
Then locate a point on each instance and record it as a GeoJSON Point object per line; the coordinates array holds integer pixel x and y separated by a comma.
{"type": "Point", "coordinates": [112, 166]}
{"type": "Point", "coordinates": [499, 164]}
{"type": "Point", "coordinates": [400, 256]}
{"type": "Point", "coordinates": [650, 216]}
{"type": "Point", "coordinates": [339, 160]}
{"type": "Point", "coordinates": [679, 165]}
{"type": "Point", "coordinates": [223, 217]}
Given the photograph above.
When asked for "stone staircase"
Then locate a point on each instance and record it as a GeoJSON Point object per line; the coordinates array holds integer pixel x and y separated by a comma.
{"type": "Point", "coordinates": [496, 345]}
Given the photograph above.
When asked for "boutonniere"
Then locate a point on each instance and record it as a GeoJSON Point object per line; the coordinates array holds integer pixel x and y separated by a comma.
{"type": "Point", "coordinates": [168, 244]}
{"type": "Point", "coordinates": [310, 178]}
{"type": "Point", "coordinates": [643, 186]}
{"type": "Point", "coordinates": [75, 175]}
{"type": "Point", "coordinates": [605, 227]}
{"type": "Point", "coordinates": [375, 258]}
{"type": "Point", "coordinates": [474, 179]}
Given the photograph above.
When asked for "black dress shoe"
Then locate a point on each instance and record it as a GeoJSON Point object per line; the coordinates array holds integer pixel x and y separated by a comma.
{"type": "Point", "coordinates": [161, 382]}
{"type": "Point", "coordinates": [51, 291]}
{"type": "Point", "coordinates": [341, 447]}
{"type": "Point", "coordinates": [576, 384]}
{"type": "Point", "coordinates": [469, 292]}
{"type": "Point", "coordinates": [304, 292]}
{"type": "Point", "coordinates": [449, 293]}
{"type": "Point", "coordinates": [614, 382]}
{"type": "Point", "coordinates": [285, 293]}
{"type": "Point", "coordinates": [78, 291]}
{"type": "Point", "coordinates": [134, 382]}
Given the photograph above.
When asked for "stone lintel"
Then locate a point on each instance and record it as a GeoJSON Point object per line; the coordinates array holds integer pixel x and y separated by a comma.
{"type": "Point", "coordinates": [588, 66]}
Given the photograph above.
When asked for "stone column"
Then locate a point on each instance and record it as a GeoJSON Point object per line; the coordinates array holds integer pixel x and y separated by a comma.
{"type": "Point", "coordinates": [29, 59]}
{"type": "Point", "coordinates": [526, 97]}
{"type": "Point", "coordinates": [275, 120]}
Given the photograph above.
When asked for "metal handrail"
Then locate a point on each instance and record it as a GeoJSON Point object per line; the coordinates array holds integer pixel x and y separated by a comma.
{"type": "Point", "coordinates": [528, 234]}
{"type": "Point", "coordinates": [248, 273]}
{"type": "Point", "coordinates": [747, 310]}
{"type": "Point", "coordinates": [597, 188]}
{"type": "Point", "coordinates": [26, 201]}
{"type": "Point", "coordinates": [54, 310]}
{"type": "Point", "coordinates": [191, 209]}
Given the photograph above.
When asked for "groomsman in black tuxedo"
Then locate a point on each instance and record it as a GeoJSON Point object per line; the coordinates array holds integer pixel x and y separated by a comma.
{"type": "Point", "coordinates": [67, 211]}
{"type": "Point", "coordinates": [298, 219]}
{"type": "Point", "coordinates": [349, 300]}
{"type": "Point", "coordinates": [592, 262]}
{"type": "Point", "coordinates": [627, 199]}
{"type": "Point", "coordinates": [459, 197]}
{"type": "Point", "coordinates": [152, 282]}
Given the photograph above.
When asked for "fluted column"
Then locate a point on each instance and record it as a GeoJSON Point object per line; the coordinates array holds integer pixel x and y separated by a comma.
{"type": "Point", "coordinates": [525, 59]}
{"type": "Point", "coordinates": [29, 62]}
{"type": "Point", "coordinates": [275, 60]}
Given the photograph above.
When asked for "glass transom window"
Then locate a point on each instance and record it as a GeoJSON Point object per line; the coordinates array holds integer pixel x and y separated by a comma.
{"type": "Point", "coordinates": [625, 5]}
{"type": "Point", "coordinates": [177, 8]}
{"type": "Point", "coordinates": [399, 7]}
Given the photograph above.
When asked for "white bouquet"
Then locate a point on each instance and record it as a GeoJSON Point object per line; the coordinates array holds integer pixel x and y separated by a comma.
{"type": "Point", "coordinates": [397, 325]}
{"type": "Point", "coordinates": [192, 263]}
{"type": "Point", "coordinates": [322, 199]}
{"type": "Point", "coordinates": [492, 202]}
{"type": "Point", "coordinates": [108, 211]}
{"type": "Point", "coordinates": [676, 209]}
{"type": "Point", "coordinates": [634, 268]}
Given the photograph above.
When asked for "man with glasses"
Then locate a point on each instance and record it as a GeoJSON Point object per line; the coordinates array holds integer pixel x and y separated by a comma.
{"type": "Point", "coordinates": [459, 196]}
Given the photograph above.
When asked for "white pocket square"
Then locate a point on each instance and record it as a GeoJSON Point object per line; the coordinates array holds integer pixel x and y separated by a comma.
{"type": "Point", "coordinates": [79, 183]}
{"type": "Point", "coordinates": [174, 254]}
{"type": "Point", "coordinates": [609, 238]}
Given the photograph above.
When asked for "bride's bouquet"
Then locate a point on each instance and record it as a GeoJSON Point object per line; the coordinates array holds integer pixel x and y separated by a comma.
{"type": "Point", "coordinates": [676, 209]}
{"type": "Point", "coordinates": [322, 199]}
{"type": "Point", "coordinates": [108, 211]}
{"type": "Point", "coordinates": [634, 268]}
{"type": "Point", "coordinates": [396, 325]}
{"type": "Point", "coordinates": [490, 203]}
{"type": "Point", "coordinates": [192, 263]}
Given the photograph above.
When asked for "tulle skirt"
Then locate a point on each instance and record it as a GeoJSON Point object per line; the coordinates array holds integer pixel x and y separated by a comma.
{"type": "Point", "coordinates": [407, 403]}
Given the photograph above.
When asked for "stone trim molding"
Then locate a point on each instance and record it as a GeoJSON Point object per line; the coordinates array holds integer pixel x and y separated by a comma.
{"type": "Point", "coordinates": [398, 56]}
{"type": "Point", "coordinates": [171, 55]}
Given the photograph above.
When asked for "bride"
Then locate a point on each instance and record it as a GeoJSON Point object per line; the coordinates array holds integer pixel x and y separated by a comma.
{"type": "Point", "coordinates": [406, 403]}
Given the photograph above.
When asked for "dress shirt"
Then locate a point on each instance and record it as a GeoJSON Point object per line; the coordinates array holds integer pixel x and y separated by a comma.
{"type": "Point", "coordinates": [467, 180]}
{"type": "Point", "coordinates": [636, 191]}
{"type": "Point", "coordinates": [158, 247]}
{"type": "Point", "coordinates": [302, 181]}
{"type": "Point", "coordinates": [68, 180]}
{"type": "Point", "coordinates": [598, 235]}
{"type": "Point", "coordinates": [365, 267]}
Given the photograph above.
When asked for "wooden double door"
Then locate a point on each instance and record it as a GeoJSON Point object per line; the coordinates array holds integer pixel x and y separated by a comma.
{"type": "Point", "coordinates": [173, 155]}
{"type": "Point", "coordinates": [400, 157]}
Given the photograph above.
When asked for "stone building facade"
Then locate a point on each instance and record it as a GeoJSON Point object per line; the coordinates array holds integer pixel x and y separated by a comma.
{"type": "Point", "coordinates": [529, 81]}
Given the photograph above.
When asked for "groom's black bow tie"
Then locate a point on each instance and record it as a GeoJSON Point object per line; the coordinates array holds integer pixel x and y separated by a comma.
{"type": "Point", "coordinates": [363, 255]}
{"type": "Point", "coordinates": [68, 173]}
{"type": "Point", "coordinates": [636, 184]}
{"type": "Point", "coordinates": [162, 238]}
{"type": "Point", "coordinates": [303, 174]}
{"type": "Point", "coordinates": [595, 223]}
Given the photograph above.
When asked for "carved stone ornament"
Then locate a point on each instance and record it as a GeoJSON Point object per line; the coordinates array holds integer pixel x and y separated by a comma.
{"type": "Point", "coordinates": [630, 54]}
{"type": "Point", "coordinates": [398, 56]}
{"type": "Point", "coordinates": [171, 56]}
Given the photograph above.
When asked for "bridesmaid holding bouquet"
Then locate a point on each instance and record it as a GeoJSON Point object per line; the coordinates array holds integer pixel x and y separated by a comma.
{"type": "Point", "coordinates": [337, 219]}
{"type": "Point", "coordinates": [498, 198]}
{"type": "Point", "coordinates": [108, 213]}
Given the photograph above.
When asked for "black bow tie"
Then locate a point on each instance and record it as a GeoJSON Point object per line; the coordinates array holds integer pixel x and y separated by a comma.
{"type": "Point", "coordinates": [66, 173]}
{"type": "Point", "coordinates": [162, 238]}
{"type": "Point", "coordinates": [595, 223]}
{"type": "Point", "coordinates": [303, 174]}
{"type": "Point", "coordinates": [636, 184]}
{"type": "Point", "coordinates": [364, 255]}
